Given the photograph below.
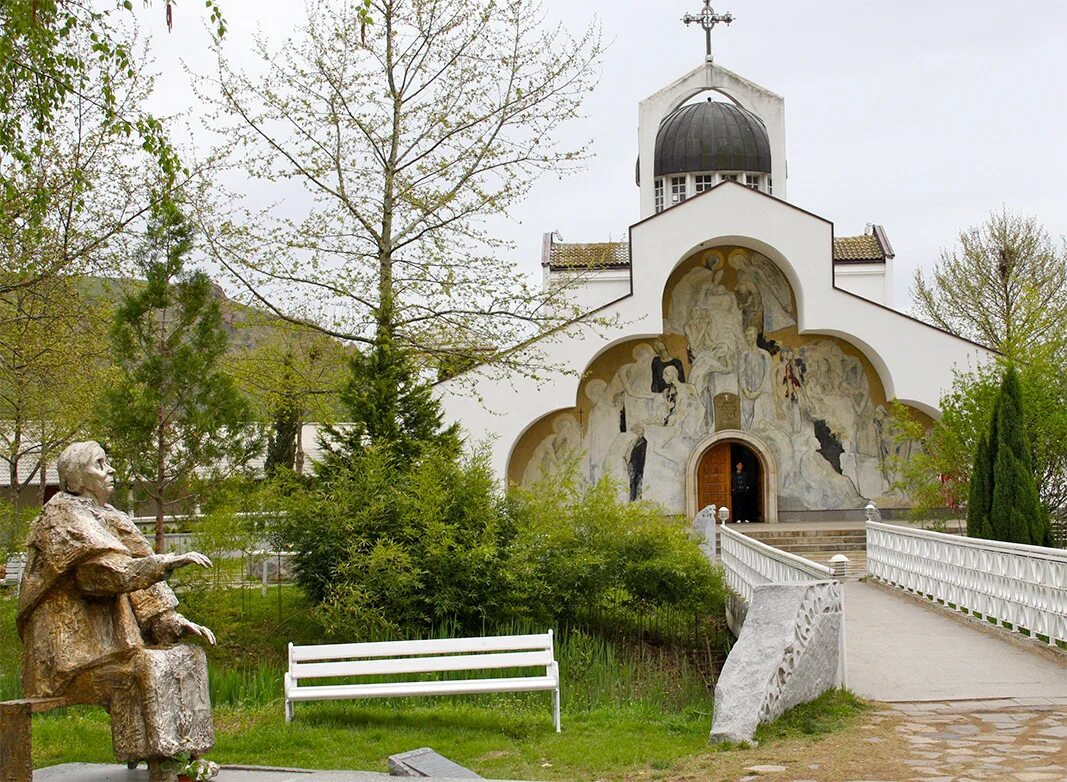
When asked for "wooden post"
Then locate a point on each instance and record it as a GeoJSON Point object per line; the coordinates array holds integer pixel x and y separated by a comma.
{"type": "Point", "coordinates": [16, 765]}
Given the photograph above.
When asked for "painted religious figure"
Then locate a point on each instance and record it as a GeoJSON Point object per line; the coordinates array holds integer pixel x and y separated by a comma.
{"type": "Point", "coordinates": [809, 398]}
{"type": "Point", "coordinates": [754, 378]}
{"type": "Point", "coordinates": [99, 624]}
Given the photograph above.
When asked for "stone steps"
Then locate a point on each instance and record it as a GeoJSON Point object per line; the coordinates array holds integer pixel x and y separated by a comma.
{"type": "Point", "coordinates": [816, 548]}
{"type": "Point", "coordinates": [807, 542]}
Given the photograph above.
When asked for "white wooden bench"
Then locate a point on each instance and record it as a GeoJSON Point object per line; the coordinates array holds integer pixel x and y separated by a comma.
{"type": "Point", "coordinates": [395, 658]}
{"type": "Point", "coordinates": [16, 563]}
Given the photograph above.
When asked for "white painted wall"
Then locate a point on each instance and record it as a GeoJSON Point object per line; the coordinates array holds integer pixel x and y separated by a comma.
{"type": "Point", "coordinates": [868, 280]}
{"type": "Point", "coordinates": [590, 290]}
{"type": "Point", "coordinates": [913, 360]}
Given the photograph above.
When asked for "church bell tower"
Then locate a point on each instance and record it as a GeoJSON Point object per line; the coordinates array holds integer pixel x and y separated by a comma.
{"type": "Point", "coordinates": [687, 147]}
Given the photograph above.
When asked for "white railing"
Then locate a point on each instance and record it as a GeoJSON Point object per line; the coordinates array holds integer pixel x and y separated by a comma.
{"type": "Point", "coordinates": [1024, 587]}
{"type": "Point", "coordinates": [748, 563]}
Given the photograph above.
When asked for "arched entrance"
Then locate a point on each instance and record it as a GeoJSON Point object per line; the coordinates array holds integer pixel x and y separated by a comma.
{"type": "Point", "coordinates": [729, 474]}
{"type": "Point", "coordinates": [710, 477]}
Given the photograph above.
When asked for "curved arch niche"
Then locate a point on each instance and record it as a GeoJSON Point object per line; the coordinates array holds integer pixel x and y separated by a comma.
{"type": "Point", "coordinates": [729, 364]}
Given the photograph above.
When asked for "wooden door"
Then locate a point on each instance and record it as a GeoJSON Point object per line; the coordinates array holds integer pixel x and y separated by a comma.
{"type": "Point", "coordinates": [713, 477]}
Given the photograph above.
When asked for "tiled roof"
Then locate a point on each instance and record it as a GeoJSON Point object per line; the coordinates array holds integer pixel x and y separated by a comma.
{"type": "Point", "coordinates": [864, 249]}
{"type": "Point", "coordinates": [589, 255]}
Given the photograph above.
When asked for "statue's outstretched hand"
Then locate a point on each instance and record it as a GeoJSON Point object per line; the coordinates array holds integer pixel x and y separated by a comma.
{"type": "Point", "coordinates": [192, 558]}
{"type": "Point", "coordinates": [192, 628]}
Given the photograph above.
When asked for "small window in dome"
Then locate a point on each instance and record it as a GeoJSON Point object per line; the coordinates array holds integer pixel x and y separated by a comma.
{"type": "Point", "coordinates": [770, 184]}
{"type": "Point", "coordinates": [703, 182]}
{"type": "Point", "coordinates": [678, 189]}
{"type": "Point", "coordinates": [731, 177]}
{"type": "Point", "coordinates": [752, 180]}
{"type": "Point", "coordinates": [659, 195]}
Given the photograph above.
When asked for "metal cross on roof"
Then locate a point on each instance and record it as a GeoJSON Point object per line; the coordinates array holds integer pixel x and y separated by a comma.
{"type": "Point", "coordinates": [707, 19]}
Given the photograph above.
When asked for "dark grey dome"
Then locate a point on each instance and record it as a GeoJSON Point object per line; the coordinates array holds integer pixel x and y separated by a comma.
{"type": "Point", "coordinates": [712, 136]}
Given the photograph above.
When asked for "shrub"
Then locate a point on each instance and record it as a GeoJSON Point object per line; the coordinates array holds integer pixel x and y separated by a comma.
{"type": "Point", "coordinates": [387, 548]}
{"type": "Point", "coordinates": [384, 545]}
{"type": "Point", "coordinates": [576, 548]}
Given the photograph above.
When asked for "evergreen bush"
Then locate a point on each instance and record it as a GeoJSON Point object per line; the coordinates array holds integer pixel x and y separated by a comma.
{"type": "Point", "coordinates": [1004, 502]}
{"type": "Point", "coordinates": [980, 495]}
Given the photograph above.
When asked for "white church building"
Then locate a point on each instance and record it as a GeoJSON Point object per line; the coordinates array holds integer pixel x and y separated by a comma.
{"type": "Point", "coordinates": [746, 337]}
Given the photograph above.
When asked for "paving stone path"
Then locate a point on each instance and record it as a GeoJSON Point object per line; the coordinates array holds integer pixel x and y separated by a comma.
{"type": "Point", "coordinates": [1012, 744]}
{"type": "Point", "coordinates": [929, 742]}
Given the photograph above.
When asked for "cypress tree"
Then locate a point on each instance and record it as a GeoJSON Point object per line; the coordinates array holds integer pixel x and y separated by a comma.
{"type": "Point", "coordinates": [1015, 513]}
{"type": "Point", "coordinates": [281, 448]}
{"type": "Point", "coordinates": [981, 496]}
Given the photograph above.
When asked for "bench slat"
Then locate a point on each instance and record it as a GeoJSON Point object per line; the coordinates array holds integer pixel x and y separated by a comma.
{"type": "Point", "coordinates": [498, 643]}
{"type": "Point", "coordinates": [464, 662]}
{"type": "Point", "coordinates": [400, 689]}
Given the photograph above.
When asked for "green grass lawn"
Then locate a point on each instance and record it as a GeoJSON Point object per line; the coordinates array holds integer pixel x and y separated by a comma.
{"type": "Point", "coordinates": [627, 709]}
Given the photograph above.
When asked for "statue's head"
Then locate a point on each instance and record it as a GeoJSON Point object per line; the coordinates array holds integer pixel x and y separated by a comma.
{"type": "Point", "coordinates": [84, 470]}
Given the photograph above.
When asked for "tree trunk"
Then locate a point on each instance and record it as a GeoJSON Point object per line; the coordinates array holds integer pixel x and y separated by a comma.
{"type": "Point", "coordinates": [160, 484]}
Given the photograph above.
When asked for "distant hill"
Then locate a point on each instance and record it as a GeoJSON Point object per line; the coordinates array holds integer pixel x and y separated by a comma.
{"type": "Point", "coordinates": [247, 327]}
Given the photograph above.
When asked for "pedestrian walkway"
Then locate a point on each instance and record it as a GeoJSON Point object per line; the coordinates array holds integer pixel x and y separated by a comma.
{"type": "Point", "coordinates": [899, 650]}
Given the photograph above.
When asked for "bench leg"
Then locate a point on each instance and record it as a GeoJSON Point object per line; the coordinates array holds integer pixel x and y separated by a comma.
{"type": "Point", "coordinates": [555, 710]}
{"type": "Point", "coordinates": [16, 764]}
{"type": "Point", "coordinates": [289, 711]}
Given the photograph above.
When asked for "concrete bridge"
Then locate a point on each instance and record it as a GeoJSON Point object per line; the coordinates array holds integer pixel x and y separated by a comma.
{"type": "Point", "coordinates": [936, 617]}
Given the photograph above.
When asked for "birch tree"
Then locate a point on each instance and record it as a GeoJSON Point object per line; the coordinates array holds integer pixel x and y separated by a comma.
{"type": "Point", "coordinates": [404, 137]}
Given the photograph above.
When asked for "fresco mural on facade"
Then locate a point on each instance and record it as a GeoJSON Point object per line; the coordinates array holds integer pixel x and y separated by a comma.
{"type": "Point", "coordinates": [730, 331]}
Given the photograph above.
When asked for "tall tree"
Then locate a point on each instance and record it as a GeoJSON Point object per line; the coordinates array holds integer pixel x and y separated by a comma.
{"type": "Point", "coordinates": [1005, 286]}
{"type": "Point", "coordinates": [408, 134]}
{"type": "Point", "coordinates": [174, 413]}
{"type": "Point", "coordinates": [1015, 513]}
{"type": "Point", "coordinates": [52, 357]}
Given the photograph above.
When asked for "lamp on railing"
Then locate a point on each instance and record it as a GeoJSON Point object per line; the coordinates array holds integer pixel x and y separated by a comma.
{"type": "Point", "coordinates": [871, 511]}
{"type": "Point", "coordinates": [839, 566]}
{"type": "Point", "coordinates": [724, 514]}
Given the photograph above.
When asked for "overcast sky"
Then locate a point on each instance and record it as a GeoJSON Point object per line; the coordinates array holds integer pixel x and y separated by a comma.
{"type": "Point", "coordinates": [922, 116]}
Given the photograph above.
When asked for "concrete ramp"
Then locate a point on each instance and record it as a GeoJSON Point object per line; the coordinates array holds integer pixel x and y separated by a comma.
{"type": "Point", "coordinates": [901, 650]}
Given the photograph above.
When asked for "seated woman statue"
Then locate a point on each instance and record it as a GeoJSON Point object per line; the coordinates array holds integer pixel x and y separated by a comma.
{"type": "Point", "coordinates": [98, 621]}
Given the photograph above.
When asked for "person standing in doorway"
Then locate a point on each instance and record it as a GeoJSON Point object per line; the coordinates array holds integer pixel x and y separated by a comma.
{"type": "Point", "coordinates": [741, 493]}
